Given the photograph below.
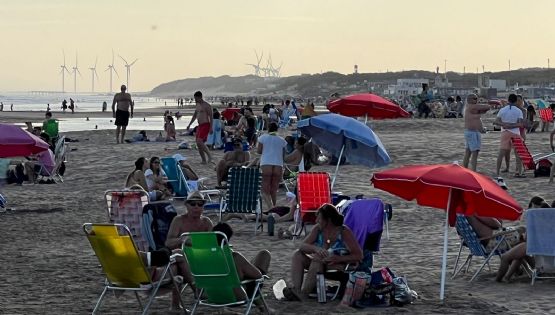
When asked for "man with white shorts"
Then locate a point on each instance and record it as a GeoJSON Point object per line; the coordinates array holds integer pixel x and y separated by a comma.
{"type": "Point", "coordinates": [510, 119]}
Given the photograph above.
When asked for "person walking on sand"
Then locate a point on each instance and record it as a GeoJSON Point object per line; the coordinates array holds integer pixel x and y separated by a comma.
{"type": "Point", "coordinates": [203, 113]}
{"type": "Point", "coordinates": [510, 119]}
{"type": "Point", "coordinates": [473, 130]}
{"type": "Point", "coordinates": [123, 112]}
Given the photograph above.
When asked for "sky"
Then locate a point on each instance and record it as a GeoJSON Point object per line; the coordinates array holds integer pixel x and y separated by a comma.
{"type": "Point", "coordinates": [177, 39]}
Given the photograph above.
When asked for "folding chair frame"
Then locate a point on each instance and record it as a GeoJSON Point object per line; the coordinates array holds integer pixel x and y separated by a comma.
{"type": "Point", "coordinates": [299, 224]}
{"type": "Point", "coordinates": [153, 287]}
{"type": "Point", "coordinates": [231, 268]}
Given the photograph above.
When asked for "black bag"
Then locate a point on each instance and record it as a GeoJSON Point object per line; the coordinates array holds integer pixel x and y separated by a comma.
{"type": "Point", "coordinates": [543, 168]}
{"type": "Point", "coordinates": [162, 216]}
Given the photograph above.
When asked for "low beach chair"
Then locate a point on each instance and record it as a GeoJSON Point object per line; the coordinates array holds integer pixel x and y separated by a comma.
{"type": "Point", "coordinates": [122, 264]}
{"type": "Point", "coordinates": [528, 160]}
{"type": "Point", "coordinates": [180, 184]}
{"type": "Point", "coordinates": [126, 207]}
{"type": "Point", "coordinates": [540, 233]}
{"type": "Point", "coordinates": [470, 239]}
{"type": "Point", "coordinates": [243, 193]}
{"type": "Point", "coordinates": [365, 218]}
{"type": "Point", "coordinates": [213, 267]}
{"type": "Point", "coordinates": [313, 190]}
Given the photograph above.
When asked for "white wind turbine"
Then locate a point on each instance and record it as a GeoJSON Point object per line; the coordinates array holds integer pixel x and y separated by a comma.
{"type": "Point", "coordinates": [63, 72]}
{"type": "Point", "coordinates": [128, 69]}
{"type": "Point", "coordinates": [75, 71]}
{"type": "Point", "coordinates": [257, 65]}
{"type": "Point", "coordinates": [112, 69]}
{"type": "Point", "coordinates": [93, 73]}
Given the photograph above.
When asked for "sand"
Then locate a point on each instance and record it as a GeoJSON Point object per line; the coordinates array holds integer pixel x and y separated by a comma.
{"type": "Point", "coordinates": [48, 266]}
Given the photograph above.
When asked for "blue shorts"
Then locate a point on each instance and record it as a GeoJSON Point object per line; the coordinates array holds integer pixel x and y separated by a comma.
{"type": "Point", "coordinates": [473, 140]}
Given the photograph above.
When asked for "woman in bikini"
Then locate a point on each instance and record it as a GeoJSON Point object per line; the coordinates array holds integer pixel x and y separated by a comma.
{"type": "Point", "coordinates": [272, 149]}
{"type": "Point", "coordinates": [330, 245]}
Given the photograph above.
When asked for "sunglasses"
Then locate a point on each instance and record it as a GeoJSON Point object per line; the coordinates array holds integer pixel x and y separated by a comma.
{"type": "Point", "coordinates": [156, 162]}
{"type": "Point", "coordinates": [196, 204]}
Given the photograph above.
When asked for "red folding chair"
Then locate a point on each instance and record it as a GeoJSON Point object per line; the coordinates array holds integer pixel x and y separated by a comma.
{"type": "Point", "coordinates": [528, 160]}
{"type": "Point", "coordinates": [313, 190]}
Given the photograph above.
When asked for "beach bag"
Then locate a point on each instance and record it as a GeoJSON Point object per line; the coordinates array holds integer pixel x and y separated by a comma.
{"type": "Point", "coordinates": [403, 295]}
{"type": "Point", "coordinates": [162, 215]}
{"type": "Point", "coordinates": [543, 168]}
{"type": "Point", "coordinates": [355, 288]}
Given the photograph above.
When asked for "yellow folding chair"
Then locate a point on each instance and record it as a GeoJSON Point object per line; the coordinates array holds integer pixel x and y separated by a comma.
{"type": "Point", "coordinates": [123, 265]}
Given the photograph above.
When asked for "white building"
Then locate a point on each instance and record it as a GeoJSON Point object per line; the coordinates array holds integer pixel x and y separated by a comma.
{"type": "Point", "coordinates": [406, 87]}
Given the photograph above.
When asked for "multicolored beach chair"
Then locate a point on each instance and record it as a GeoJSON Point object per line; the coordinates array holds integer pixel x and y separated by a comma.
{"type": "Point", "coordinates": [126, 207]}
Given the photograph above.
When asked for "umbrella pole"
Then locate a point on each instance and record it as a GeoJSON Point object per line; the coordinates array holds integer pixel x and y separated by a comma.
{"type": "Point", "coordinates": [337, 167]}
{"type": "Point", "coordinates": [365, 119]}
{"type": "Point", "coordinates": [444, 262]}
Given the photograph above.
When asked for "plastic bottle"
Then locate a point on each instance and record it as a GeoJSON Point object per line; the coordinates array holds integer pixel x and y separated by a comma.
{"type": "Point", "coordinates": [271, 222]}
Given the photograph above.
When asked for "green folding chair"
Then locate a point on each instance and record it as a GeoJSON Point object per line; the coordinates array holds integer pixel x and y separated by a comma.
{"type": "Point", "coordinates": [123, 265]}
{"type": "Point", "coordinates": [243, 193]}
{"type": "Point", "coordinates": [215, 273]}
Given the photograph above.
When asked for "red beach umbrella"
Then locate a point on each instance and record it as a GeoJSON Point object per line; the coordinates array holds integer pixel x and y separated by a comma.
{"type": "Point", "coordinates": [15, 141]}
{"type": "Point", "coordinates": [368, 105]}
{"type": "Point", "coordinates": [453, 188]}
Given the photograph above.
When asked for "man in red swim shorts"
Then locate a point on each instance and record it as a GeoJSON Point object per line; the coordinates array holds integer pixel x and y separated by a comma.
{"type": "Point", "coordinates": [203, 113]}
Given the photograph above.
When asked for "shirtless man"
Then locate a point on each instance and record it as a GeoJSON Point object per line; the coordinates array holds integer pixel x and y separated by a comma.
{"type": "Point", "coordinates": [473, 130]}
{"type": "Point", "coordinates": [191, 221]}
{"type": "Point", "coordinates": [203, 113]}
{"type": "Point", "coordinates": [234, 158]}
{"type": "Point", "coordinates": [122, 113]}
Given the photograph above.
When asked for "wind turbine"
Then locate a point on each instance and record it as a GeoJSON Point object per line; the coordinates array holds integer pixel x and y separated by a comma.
{"type": "Point", "coordinates": [112, 69]}
{"type": "Point", "coordinates": [64, 72]}
{"type": "Point", "coordinates": [128, 69]}
{"type": "Point", "coordinates": [257, 65]}
{"type": "Point", "coordinates": [93, 73]}
{"type": "Point", "coordinates": [75, 71]}
{"type": "Point", "coordinates": [277, 71]}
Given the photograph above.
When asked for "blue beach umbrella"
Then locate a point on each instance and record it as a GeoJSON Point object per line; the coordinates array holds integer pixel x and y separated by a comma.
{"type": "Point", "coordinates": [345, 136]}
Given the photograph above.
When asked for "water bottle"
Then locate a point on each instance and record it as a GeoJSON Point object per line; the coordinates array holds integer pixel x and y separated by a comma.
{"type": "Point", "coordinates": [321, 287]}
{"type": "Point", "coordinates": [271, 222]}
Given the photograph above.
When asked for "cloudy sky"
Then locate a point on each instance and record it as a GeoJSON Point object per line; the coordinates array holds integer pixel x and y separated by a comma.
{"type": "Point", "coordinates": [175, 39]}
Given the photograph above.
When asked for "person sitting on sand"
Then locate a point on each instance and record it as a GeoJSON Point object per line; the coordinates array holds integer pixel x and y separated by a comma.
{"type": "Point", "coordinates": [293, 159]}
{"type": "Point", "coordinates": [156, 178]}
{"type": "Point", "coordinates": [169, 127]}
{"type": "Point", "coordinates": [235, 158]}
{"type": "Point", "coordinates": [247, 270]}
{"type": "Point", "coordinates": [137, 178]}
{"type": "Point", "coordinates": [516, 256]}
{"type": "Point", "coordinates": [330, 245]}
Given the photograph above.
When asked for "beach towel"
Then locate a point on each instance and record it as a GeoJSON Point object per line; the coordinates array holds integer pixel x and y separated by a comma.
{"type": "Point", "coordinates": [365, 217]}
{"type": "Point", "coordinates": [540, 232]}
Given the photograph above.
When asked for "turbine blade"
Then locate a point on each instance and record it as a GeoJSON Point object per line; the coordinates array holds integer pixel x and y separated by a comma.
{"type": "Point", "coordinates": [96, 74]}
{"type": "Point", "coordinates": [115, 71]}
{"type": "Point", "coordinates": [112, 56]}
{"type": "Point", "coordinates": [133, 62]}
{"type": "Point", "coordinates": [123, 59]}
{"type": "Point", "coordinates": [96, 62]}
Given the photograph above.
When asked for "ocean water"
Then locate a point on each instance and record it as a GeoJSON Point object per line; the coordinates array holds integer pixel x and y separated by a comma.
{"type": "Point", "coordinates": [29, 101]}
{"type": "Point", "coordinates": [85, 102]}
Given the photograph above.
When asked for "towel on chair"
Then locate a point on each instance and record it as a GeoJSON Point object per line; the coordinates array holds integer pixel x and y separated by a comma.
{"type": "Point", "coordinates": [364, 217]}
{"type": "Point", "coordinates": [540, 232]}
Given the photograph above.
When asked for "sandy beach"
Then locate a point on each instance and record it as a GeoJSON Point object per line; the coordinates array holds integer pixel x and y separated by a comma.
{"type": "Point", "coordinates": [48, 266]}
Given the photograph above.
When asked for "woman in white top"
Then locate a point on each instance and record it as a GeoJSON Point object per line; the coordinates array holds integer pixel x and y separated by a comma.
{"type": "Point", "coordinates": [272, 148]}
{"type": "Point", "coordinates": [156, 178]}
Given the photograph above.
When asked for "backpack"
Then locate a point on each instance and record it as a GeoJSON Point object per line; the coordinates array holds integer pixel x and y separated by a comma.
{"type": "Point", "coordinates": [543, 168]}
{"type": "Point", "coordinates": [157, 218]}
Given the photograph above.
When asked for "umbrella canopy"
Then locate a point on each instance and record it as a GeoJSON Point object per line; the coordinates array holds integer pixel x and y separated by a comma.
{"type": "Point", "coordinates": [369, 105]}
{"type": "Point", "coordinates": [346, 136]}
{"type": "Point", "coordinates": [15, 141]}
{"type": "Point", "coordinates": [450, 187]}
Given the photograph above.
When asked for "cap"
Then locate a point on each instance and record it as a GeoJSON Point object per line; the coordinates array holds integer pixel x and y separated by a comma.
{"type": "Point", "coordinates": [195, 196]}
{"type": "Point", "coordinates": [178, 157]}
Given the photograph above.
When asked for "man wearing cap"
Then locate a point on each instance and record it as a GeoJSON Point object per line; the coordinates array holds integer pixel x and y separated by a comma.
{"type": "Point", "coordinates": [235, 158]}
{"type": "Point", "coordinates": [186, 168]}
{"type": "Point", "coordinates": [191, 221]}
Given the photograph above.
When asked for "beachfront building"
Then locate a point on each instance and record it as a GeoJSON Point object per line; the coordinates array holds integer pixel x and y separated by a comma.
{"type": "Point", "coordinates": [536, 92]}
{"type": "Point", "coordinates": [406, 87]}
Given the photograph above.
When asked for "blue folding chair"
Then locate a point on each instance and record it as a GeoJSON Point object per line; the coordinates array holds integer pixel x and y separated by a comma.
{"type": "Point", "coordinates": [243, 193]}
{"type": "Point", "coordinates": [178, 180]}
{"type": "Point", "coordinates": [470, 239]}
